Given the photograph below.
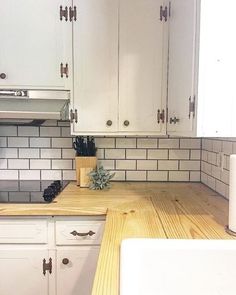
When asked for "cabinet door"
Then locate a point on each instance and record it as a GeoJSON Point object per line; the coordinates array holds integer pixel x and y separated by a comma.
{"type": "Point", "coordinates": [34, 42]}
{"type": "Point", "coordinates": [76, 268]}
{"type": "Point", "coordinates": [217, 62]}
{"type": "Point", "coordinates": [181, 74]}
{"type": "Point", "coordinates": [21, 272]}
{"type": "Point", "coordinates": [96, 66]}
{"type": "Point", "coordinates": [141, 63]}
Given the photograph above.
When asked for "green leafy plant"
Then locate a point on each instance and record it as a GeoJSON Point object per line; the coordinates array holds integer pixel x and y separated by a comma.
{"type": "Point", "coordinates": [100, 178]}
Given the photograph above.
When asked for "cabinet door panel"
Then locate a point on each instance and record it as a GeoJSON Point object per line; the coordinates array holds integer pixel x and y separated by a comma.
{"type": "Point", "coordinates": [181, 77]}
{"type": "Point", "coordinates": [34, 42]}
{"type": "Point", "coordinates": [96, 66]}
{"type": "Point", "coordinates": [140, 65]}
{"type": "Point", "coordinates": [76, 277]}
{"type": "Point", "coordinates": [22, 272]}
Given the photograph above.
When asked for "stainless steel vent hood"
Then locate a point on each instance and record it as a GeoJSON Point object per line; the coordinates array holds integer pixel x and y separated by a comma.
{"type": "Point", "coordinates": [38, 105]}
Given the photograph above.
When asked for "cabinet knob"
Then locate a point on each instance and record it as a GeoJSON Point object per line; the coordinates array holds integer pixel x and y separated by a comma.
{"type": "Point", "coordinates": [174, 120]}
{"type": "Point", "coordinates": [3, 76]}
{"type": "Point", "coordinates": [109, 123]}
{"type": "Point", "coordinates": [65, 261]}
{"type": "Point", "coordinates": [126, 123]}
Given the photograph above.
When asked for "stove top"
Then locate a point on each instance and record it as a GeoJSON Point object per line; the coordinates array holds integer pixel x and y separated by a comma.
{"type": "Point", "coordinates": [30, 191]}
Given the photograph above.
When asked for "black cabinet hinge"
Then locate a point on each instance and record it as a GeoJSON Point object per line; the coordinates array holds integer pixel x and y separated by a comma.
{"type": "Point", "coordinates": [191, 107]}
{"type": "Point", "coordinates": [163, 13]}
{"type": "Point", "coordinates": [64, 70]}
{"type": "Point", "coordinates": [160, 116]}
{"type": "Point", "coordinates": [64, 13]}
{"type": "Point", "coordinates": [47, 266]}
{"type": "Point", "coordinates": [73, 13]}
{"type": "Point", "coordinates": [74, 116]}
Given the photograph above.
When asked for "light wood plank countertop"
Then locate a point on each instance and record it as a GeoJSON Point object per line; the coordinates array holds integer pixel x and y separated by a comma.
{"type": "Point", "coordinates": [136, 210]}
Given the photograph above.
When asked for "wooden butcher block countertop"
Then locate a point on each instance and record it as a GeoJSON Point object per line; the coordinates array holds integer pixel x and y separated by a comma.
{"type": "Point", "coordinates": [137, 210]}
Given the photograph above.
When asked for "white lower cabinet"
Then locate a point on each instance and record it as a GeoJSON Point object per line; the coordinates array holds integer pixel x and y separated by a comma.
{"type": "Point", "coordinates": [47, 265]}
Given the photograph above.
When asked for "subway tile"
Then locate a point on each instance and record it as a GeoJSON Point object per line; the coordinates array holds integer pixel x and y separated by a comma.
{"type": "Point", "coordinates": [50, 123]}
{"type": "Point", "coordinates": [119, 175]}
{"type": "Point", "coordinates": [3, 141]}
{"type": "Point", "coordinates": [204, 156]}
{"type": "Point", "coordinates": [8, 174]}
{"type": "Point", "coordinates": [217, 146]}
{"type": "Point", "coordinates": [190, 143]}
{"type": "Point", "coordinates": [225, 176]}
{"type": "Point", "coordinates": [207, 144]}
{"type": "Point", "coordinates": [178, 154]}
{"type": "Point", "coordinates": [3, 197]}
{"type": "Point", "coordinates": [227, 147]}
{"type": "Point", "coordinates": [68, 153]}
{"type": "Point", "coordinates": [169, 143]}
{"type": "Point", "coordinates": [204, 178]}
{"type": "Point", "coordinates": [195, 154]}
{"type": "Point", "coordinates": [50, 153]}
{"type": "Point", "coordinates": [30, 153]}
{"type": "Point", "coordinates": [167, 165]}
{"type": "Point", "coordinates": [216, 172]}
{"type": "Point", "coordinates": [212, 158]}
{"type": "Point", "coordinates": [136, 154]}
{"type": "Point", "coordinates": [221, 188]}
{"type": "Point", "coordinates": [136, 176]}
{"type": "Point", "coordinates": [18, 164]}
{"type": "Point", "coordinates": [50, 131]}
{"type": "Point", "coordinates": [146, 165]}
{"type": "Point", "coordinates": [63, 123]}
{"type": "Point", "coordinates": [100, 153]}
{"type": "Point", "coordinates": [105, 142]}
{"type": "Point", "coordinates": [206, 168]}
{"type": "Point", "coordinates": [69, 175]}
{"type": "Point", "coordinates": [158, 154]}
{"type": "Point", "coordinates": [147, 143]}
{"type": "Point", "coordinates": [51, 175]}
{"type": "Point", "coordinates": [61, 164]}
{"type": "Point", "coordinates": [211, 182]}
{"type": "Point", "coordinates": [189, 165]}
{"type": "Point", "coordinates": [126, 142]}
{"type": "Point", "coordinates": [65, 132]}
{"type": "Point", "coordinates": [19, 197]}
{"type": "Point", "coordinates": [18, 141]}
{"type": "Point", "coordinates": [195, 176]}
{"type": "Point", "coordinates": [107, 164]}
{"type": "Point", "coordinates": [3, 163]}
{"type": "Point", "coordinates": [29, 175]}
{"type": "Point", "coordinates": [125, 164]}
{"type": "Point", "coordinates": [178, 176]}
{"type": "Point", "coordinates": [40, 142]}
{"type": "Point", "coordinates": [40, 164]}
{"type": "Point", "coordinates": [8, 153]}
{"type": "Point", "coordinates": [28, 131]}
{"type": "Point", "coordinates": [8, 131]}
{"type": "Point", "coordinates": [115, 153]}
{"type": "Point", "coordinates": [157, 176]}
{"type": "Point", "coordinates": [62, 142]}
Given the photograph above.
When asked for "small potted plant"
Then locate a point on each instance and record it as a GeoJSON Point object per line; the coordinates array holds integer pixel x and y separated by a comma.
{"type": "Point", "coordinates": [100, 178]}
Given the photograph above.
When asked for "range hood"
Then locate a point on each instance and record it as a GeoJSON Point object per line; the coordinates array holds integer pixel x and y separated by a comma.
{"type": "Point", "coordinates": [27, 106]}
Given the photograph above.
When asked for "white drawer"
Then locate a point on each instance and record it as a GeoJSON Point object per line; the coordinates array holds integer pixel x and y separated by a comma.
{"type": "Point", "coordinates": [23, 231]}
{"type": "Point", "coordinates": [80, 232]}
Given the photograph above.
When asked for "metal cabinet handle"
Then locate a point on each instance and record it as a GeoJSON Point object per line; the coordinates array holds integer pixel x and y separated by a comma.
{"type": "Point", "coordinates": [126, 123]}
{"type": "Point", "coordinates": [75, 233]}
{"type": "Point", "coordinates": [65, 261]}
{"type": "Point", "coordinates": [109, 123]}
{"type": "Point", "coordinates": [174, 120]}
{"type": "Point", "coordinates": [3, 76]}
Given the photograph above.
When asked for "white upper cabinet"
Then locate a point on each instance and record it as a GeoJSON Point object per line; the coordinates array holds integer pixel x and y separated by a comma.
{"type": "Point", "coordinates": [201, 63]}
{"type": "Point", "coordinates": [120, 67]}
{"type": "Point", "coordinates": [96, 66]}
{"type": "Point", "coordinates": [141, 60]}
{"type": "Point", "coordinates": [34, 43]}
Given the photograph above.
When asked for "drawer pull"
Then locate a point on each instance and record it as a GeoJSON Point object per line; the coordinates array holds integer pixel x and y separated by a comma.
{"type": "Point", "coordinates": [75, 233]}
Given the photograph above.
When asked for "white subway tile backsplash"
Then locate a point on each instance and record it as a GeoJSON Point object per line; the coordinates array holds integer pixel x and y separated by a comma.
{"type": "Point", "coordinates": [147, 142]}
{"type": "Point", "coordinates": [9, 174]}
{"type": "Point", "coordinates": [136, 176]}
{"type": "Point", "coordinates": [50, 131]}
{"type": "Point", "coordinates": [157, 176]}
{"type": "Point", "coordinates": [119, 175]}
{"type": "Point", "coordinates": [18, 164]}
{"type": "Point", "coordinates": [168, 143]}
{"type": "Point", "coordinates": [178, 176]}
{"type": "Point", "coordinates": [217, 146]}
{"type": "Point", "coordinates": [30, 153]}
{"type": "Point", "coordinates": [195, 154]}
{"type": "Point", "coordinates": [3, 141]}
{"type": "Point", "coordinates": [126, 142]}
{"type": "Point", "coordinates": [107, 164]}
{"type": "Point", "coordinates": [105, 142]}
{"type": "Point", "coordinates": [29, 174]}
{"type": "Point", "coordinates": [167, 165]}
{"type": "Point", "coordinates": [40, 142]}
{"type": "Point", "coordinates": [158, 154]}
{"type": "Point", "coordinates": [65, 132]}
{"type": "Point", "coordinates": [115, 153]}
{"type": "Point", "coordinates": [8, 153]}
{"type": "Point", "coordinates": [62, 142]}
{"type": "Point", "coordinates": [8, 131]}
{"type": "Point", "coordinates": [146, 165]}
{"type": "Point", "coordinates": [50, 153]}
{"type": "Point", "coordinates": [51, 175]}
{"type": "Point", "coordinates": [189, 165]}
{"type": "Point", "coordinates": [68, 153]}
{"type": "Point", "coordinates": [69, 175]}
{"type": "Point", "coordinates": [179, 154]}
{"type": "Point", "coordinates": [18, 141]}
{"type": "Point", "coordinates": [136, 154]}
{"type": "Point", "coordinates": [190, 143]}
{"type": "Point", "coordinates": [227, 147]}
{"type": "Point", "coordinates": [125, 164]}
{"type": "Point", "coordinates": [28, 131]}
{"type": "Point", "coordinates": [195, 176]}
{"type": "Point", "coordinates": [3, 163]}
{"type": "Point", "coordinates": [62, 164]}
{"type": "Point", "coordinates": [40, 164]}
